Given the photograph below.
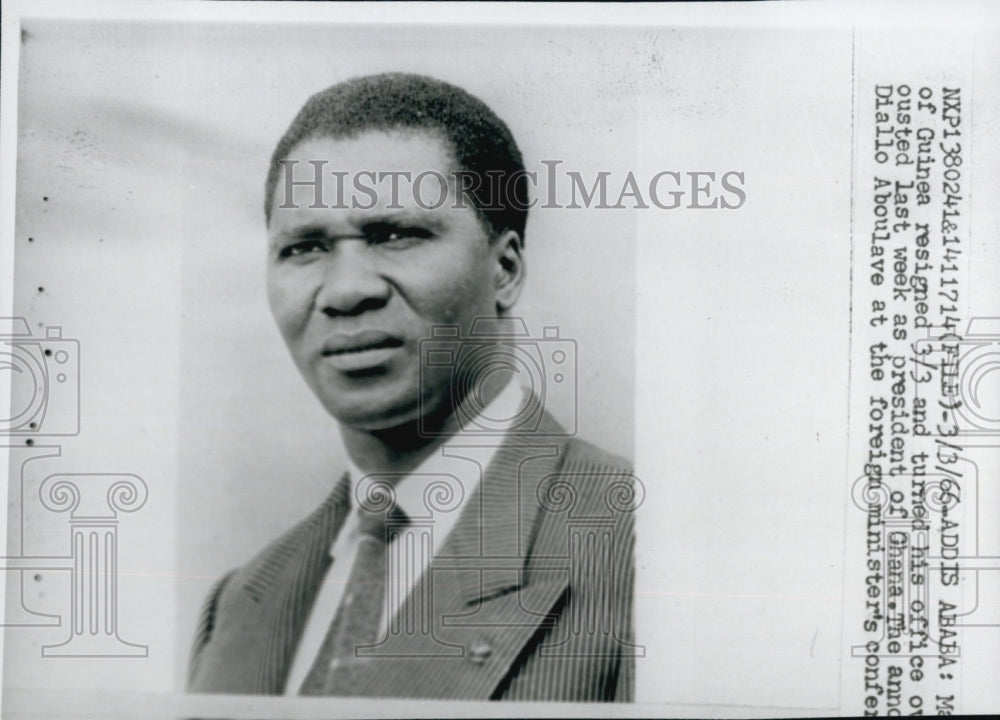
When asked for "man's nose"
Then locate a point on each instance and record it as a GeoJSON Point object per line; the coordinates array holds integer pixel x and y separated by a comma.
{"type": "Point", "coordinates": [351, 283]}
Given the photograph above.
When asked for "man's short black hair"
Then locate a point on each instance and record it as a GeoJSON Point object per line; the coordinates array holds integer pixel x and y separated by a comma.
{"type": "Point", "coordinates": [481, 142]}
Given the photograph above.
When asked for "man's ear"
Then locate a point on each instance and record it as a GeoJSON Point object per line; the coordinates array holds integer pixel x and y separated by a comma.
{"type": "Point", "coordinates": [509, 268]}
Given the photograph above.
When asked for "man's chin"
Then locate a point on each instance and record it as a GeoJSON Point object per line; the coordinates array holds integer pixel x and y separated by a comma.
{"type": "Point", "coordinates": [373, 417]}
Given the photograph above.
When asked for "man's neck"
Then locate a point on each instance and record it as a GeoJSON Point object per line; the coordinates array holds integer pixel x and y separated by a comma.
{"type": "Point", "coordinates": [401, 449]}
{"type": "Point", "coordinates": [396, 450]}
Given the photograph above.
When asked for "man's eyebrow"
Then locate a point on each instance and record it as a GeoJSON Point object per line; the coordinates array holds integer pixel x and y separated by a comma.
{"type": "Point", "coordinates": [398, 218]}
{"type": "Point", "coordinates": [370, 219]}
{"type": "Point", "coordinates": [304, 230]}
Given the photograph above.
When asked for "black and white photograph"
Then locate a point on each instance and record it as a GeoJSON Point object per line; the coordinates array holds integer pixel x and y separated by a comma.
{"type": "Point", "coordinates": [444, 360]}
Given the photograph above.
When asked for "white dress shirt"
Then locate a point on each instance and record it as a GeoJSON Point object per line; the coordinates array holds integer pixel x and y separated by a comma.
{"type": "Point", "coordinates": [448, 477]}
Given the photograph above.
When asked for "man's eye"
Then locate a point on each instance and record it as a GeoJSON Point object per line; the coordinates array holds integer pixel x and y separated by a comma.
{"type": "Point", "coordinates": [301, 249]}
{"type": "Point", "coordinates": [396, 237]}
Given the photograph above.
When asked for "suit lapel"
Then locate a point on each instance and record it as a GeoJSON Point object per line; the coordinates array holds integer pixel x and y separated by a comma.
{"type": "Point", "coordinates": [460, 631]}
{"type": "Point", "coordinates": [493, 536]}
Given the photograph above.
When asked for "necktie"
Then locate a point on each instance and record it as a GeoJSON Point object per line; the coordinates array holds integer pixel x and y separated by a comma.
{"type": "Point", "coordinates": [357, 618]}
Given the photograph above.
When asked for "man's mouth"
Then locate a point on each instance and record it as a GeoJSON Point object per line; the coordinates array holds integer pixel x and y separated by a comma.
{"type": "Point", "coordinates": [357, 351]}
{"type": "Point", "coordinates": [360, 342]}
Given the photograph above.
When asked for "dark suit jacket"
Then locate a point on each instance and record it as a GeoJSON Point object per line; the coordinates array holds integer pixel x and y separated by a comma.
{"type": "Point", "coordinates": [529, 599]}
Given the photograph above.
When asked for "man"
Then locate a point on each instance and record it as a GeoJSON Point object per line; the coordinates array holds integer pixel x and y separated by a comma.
{"type": "Point", "coordinates": [473, 549]}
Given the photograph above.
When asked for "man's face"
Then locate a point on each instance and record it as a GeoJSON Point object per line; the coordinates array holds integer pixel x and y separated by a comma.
{"type": "Point", "coordinates": [354, 291]}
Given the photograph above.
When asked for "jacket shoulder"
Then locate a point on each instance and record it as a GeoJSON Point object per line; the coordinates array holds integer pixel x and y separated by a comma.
{"type": "Point", "coordinates": [262, 570]}
{"type": "Point", "coordinates": [599, 482]}
{"type": "Point", "coordinates": [244, 588]}
{"type": "Point", "coordinates": [225, 598]}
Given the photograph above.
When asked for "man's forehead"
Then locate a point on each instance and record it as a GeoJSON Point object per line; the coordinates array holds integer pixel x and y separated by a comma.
{"type": "Point", "coordinates": [405, 148]}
